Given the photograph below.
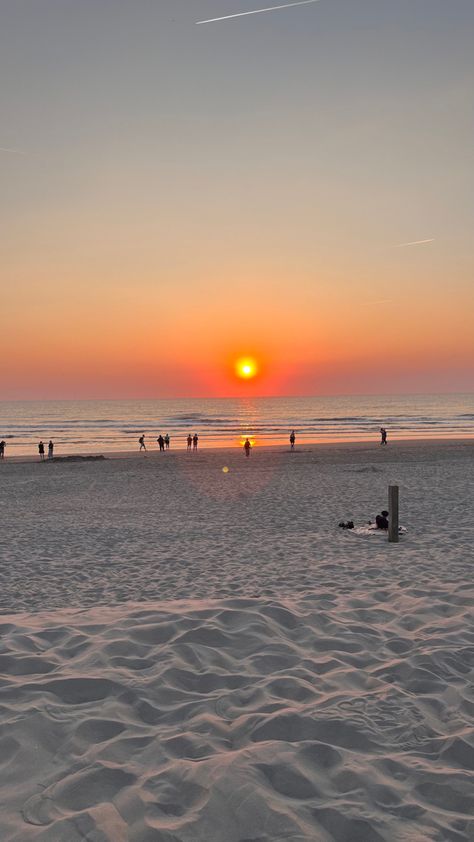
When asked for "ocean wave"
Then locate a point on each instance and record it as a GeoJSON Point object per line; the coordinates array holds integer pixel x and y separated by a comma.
{"type": "Point", "coordinates": [224, 422]}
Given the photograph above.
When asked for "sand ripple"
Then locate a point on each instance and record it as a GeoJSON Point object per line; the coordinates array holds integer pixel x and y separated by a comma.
{"type": "Point", "coordinates": [330, 717]}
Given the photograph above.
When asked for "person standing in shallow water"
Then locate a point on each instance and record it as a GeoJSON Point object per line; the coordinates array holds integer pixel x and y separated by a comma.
{"type": "Point", "coordinates": [247, 447]}
{"type": "Point", "coordinates": [2, 449]}
{"type": "Point", "coordinates": [167, 441]}
{"type": "Point", "coordinates": [41, 451]}
{"type": "Point", "coordinates": [383, 434]}
{"type": "Point", "coordinates": [50, 449]}
{"type": "Point", "coordinates": [190, 441]}
{"type": "Point", "coordinates": [161, 442]}
{"type": "Point", "coordinates": [195, 441]}
{"type": "Point", "coordinates": [292, 439]}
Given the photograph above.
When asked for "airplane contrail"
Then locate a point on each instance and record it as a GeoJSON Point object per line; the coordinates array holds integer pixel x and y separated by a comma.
{"type": "Point", "coordinates": [258, 11]}
{"type": "Point", "coordinates": [415, 243]}
{"type": "Point", "coordinates": [13, 151]}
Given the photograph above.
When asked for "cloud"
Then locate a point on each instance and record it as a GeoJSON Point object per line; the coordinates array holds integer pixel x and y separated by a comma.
{"type": "Point", "coordinates": [258, 11]}
{"type": "Point", "coordinates": [415, 243]}
{"type": "Point", "coordinates": [374, 303]}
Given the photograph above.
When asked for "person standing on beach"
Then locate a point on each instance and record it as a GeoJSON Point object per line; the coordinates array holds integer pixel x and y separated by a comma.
{"type": "Point", "coordinates": [141, 442]}
{"type": "Point", "coordinates": [167, 441]}
{"type": "Point", "coordinates": [161, 442]}
{"type": "Point", "coordinates": [247, 447]}
{"type": "Point", "coordinates": [190, 441]}
{"type": "Point", "coordinates": [41, 451]}
{"type": "Point", "coordinates": [383, 434]}
{"type": "Point", "coordinates": [50, 449]}
{"type": "Point", "coordinates": [195, 441]}
{"type": "Point", "coordinates": [292, 439]}
{"type": "Point", "coordinates": [2, 449]}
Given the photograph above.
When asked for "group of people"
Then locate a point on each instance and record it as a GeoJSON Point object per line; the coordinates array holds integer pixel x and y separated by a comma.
{"type": "Point", "coordinates": [381, 521]}
{"type": "Point", "coordinates": [163, 442]}
{"type": "Point", "coordinates": [41, 450]}
{"type": "Point", "coordinates": [192, 442]}
{"type": "Point", "coordinates": [248, 443]}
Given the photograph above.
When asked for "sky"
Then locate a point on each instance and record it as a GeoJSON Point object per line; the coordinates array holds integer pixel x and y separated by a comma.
{"type": "Point", "coordinates": [295, 186]}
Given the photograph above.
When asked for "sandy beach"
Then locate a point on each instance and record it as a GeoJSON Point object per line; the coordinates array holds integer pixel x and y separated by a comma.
{"type": "Point", "coordinates": [193, 655]}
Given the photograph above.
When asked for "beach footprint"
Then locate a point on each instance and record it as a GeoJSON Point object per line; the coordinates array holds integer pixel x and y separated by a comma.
{"type": "Point", "coordinates": [40, 810]}
{"type": "Point", "coordinates": [76, 792]}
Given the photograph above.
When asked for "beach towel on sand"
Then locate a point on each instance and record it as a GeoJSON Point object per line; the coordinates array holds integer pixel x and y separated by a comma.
{"type": "Point", "coordinates": [370, 529]}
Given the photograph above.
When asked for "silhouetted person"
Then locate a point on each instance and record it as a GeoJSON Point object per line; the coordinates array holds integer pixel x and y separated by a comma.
{"type": "Point", "coordinates": [167, 441]}
{"type": "Point", "coordinates": [292, 439]}
{"type": "Point", "coordinates": [247, 447]}
{"type": "Point", "coordinates": [50, 449]}
{"type": "Point", "coordinates": [41, 450]}
{"type": "Point", "coordinates": [161, 442]}
{"type": "Point", "coordinates": [382, 520]}
{"type": "Point", "coordinates": [383, 434]}
{"type": "Point", "coordinates": [190, 441]}
{"type": "Point", "coordinates": [2, 449]}
{"type": "Point", "coordinates": [195, 441]}
{"type": "Point", "coordinates": [141, 442]}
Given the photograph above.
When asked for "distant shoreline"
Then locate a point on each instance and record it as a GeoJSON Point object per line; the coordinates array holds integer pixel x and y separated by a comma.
{"type": "Point", "coordinates": [369, 444]}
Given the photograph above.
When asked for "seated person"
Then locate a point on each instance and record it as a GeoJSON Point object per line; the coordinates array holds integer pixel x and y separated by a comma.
{"type": "Point", "coordinates": [382, 520]}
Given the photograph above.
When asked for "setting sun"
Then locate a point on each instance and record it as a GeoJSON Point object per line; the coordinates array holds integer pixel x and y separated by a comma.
{"type": "Point", "coordinates": [246, 368]}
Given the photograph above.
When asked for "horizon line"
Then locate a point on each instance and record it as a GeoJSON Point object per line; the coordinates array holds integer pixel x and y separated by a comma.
{"type": "Point", "coordinates": [239, 397]}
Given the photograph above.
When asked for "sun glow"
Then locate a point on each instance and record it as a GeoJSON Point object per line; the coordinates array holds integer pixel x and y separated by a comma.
{"type": "Point", "coordinates": [246, 368]}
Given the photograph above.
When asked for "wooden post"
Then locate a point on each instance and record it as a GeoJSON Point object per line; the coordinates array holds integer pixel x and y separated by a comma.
{"type": "Point", "coordinates": [393, 514]}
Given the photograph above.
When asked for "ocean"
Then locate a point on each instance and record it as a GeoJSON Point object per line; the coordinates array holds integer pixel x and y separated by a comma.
{"type": "Point", "coordinates": [115, 425]}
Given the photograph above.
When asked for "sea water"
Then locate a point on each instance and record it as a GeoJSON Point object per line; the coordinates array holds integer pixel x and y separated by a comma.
{"type": "Point", "coordinates": [115, 425]}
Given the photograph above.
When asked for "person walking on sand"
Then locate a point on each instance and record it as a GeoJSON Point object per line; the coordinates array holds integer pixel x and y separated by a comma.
{"type": "Point", "coordinates": [50, 449]}
{"type": "Point", "coordinates": [167, 441]}
{"type": "Point", "coordinates": [2, 449]}
{"type": "Point", "coordinates": [41, 451]}
{"type": "Point", "coordinates": [190, 441]}
{"type": "Point", "coordinates": [141, 442]}
{"type": "Point", "coordinates": [247, 447]}
{"type": "Point", "coordinates": [195, 441]}
{"type": "Point", "coordinates": [292, 439]}
{"type": "Point", "coordinates": [383, 434]}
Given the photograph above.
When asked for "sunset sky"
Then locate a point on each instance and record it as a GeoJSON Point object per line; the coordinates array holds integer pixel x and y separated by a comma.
{"type": "Point", "coordinates": [295, 186]}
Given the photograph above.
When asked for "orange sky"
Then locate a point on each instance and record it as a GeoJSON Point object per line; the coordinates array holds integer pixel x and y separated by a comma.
{"type": "Point", "coordinates": [148, 339]}
{"type": "Point", "coordinates": [189, 195]}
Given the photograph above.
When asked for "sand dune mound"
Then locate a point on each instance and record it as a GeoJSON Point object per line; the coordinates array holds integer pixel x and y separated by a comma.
{"type": "Point", "coordinates": [330, 718]}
